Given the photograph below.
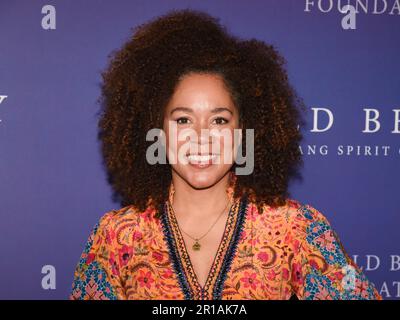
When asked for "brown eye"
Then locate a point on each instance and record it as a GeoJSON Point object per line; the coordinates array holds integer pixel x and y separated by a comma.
{"type": "Point", "coordinates": [221, 120]}
{"type": "Point", "coordinates": [182, 120]}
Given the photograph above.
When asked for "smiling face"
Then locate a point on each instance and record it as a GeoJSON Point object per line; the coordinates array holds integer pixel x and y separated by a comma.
{"type": "Point", "coordinates": [201, 103]}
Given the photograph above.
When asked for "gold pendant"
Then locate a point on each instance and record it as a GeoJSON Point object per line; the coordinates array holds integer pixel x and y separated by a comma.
{"type": "Point", "coordinates": [196, 246]}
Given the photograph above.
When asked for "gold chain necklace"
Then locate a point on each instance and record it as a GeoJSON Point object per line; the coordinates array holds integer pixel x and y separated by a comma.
{"type": "Point", "coordinates": [196, 246]}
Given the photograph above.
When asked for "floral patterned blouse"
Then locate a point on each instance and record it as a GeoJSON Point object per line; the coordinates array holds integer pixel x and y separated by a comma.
{"type": "Point", "coordinates": [282, 252]}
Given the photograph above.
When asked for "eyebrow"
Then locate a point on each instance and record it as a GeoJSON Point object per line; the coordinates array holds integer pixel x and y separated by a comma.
{"type": "Point", "coordinates": [189, 110]}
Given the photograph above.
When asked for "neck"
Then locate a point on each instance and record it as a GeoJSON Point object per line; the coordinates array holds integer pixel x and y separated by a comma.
{"type": "Point", "coordinates": [199, 204]}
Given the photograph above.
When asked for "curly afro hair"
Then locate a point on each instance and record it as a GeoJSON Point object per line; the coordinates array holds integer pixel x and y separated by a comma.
{"type": "Point", "coordinates": [141, 77]}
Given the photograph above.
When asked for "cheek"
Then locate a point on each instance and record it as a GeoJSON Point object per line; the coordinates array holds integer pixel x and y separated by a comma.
{"type": "Point", "coordinates": [176, 149]}
{"type": "Point", "coordinates": [224, 144]}
{"type": "Point", "coordinates": [171, 132]}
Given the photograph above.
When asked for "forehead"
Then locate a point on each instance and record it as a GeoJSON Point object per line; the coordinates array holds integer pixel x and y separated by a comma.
{"type": "Point", "coordinates": [201, 90]}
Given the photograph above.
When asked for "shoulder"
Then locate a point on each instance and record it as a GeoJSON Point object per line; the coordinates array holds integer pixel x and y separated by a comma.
{"type": "Point", "coordinates": [304, 216]}
{"type": "Point", "coordinates": [306, 221]}
{"type": "Point", "coordinates": [317, 237]}
{"type": "Point", "coordinates": [303, 222]}
{"type": "Point", "coordinates": [295, 218]}
{"type": "Point", "coordinates": [122, 226]}
{"type": "Point", "coordinates": [297, 213]}
{"type": "Point", "coordinates": [116, 217]}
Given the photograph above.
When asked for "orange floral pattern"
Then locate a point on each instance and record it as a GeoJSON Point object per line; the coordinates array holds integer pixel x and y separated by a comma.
{"type": "Point", "coordinates": [281, 252]}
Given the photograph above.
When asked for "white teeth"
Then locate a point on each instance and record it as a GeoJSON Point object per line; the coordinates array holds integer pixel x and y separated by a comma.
{"type": "Point", "coordinates": [200, 158]}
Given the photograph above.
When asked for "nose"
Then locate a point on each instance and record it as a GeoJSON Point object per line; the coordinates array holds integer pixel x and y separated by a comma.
{"type": "Point", "coordinates": [203, 137]}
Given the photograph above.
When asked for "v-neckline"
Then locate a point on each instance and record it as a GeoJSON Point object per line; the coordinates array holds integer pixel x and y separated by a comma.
{"type": "Point", "coordinates": [222, 259]}
{"type": "Point", "coordinates": [186, 255]}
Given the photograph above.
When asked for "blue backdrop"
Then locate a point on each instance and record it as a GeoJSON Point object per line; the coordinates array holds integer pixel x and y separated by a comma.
{"type": "Point", "coordinates": [53, 188]}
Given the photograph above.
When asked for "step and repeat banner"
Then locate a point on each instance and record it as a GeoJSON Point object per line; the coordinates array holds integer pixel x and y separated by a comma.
{"type": "Point", "coordinates": [343, 59]}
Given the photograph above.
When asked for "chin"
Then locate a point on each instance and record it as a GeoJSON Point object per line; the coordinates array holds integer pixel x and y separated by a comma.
{"type": "Point", "coordinates": [202, 178]}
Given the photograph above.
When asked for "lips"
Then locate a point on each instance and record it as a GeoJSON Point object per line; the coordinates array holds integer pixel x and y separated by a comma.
{"type": "Point", "coordinates": [201, 158]}
{"type": "Point", "coordinates": [201, 161]}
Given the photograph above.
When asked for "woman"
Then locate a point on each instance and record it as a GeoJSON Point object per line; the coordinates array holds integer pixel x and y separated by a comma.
{"type": "Point", "coordinates": [195, 228]}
